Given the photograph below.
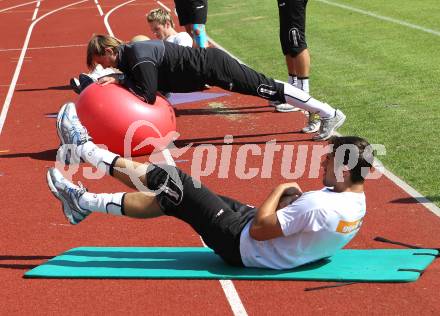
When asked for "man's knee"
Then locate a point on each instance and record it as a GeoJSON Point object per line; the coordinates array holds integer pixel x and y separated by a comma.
{"type": "Point", "coordinates": [295, 51]}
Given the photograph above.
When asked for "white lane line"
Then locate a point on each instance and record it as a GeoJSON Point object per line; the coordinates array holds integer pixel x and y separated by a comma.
{"type": "Point", "coordinates": [231, 294]}
{"type": "Point", "coordinates": [43, 47]}
{"type": "Point", "coordinates": [412, 192]}
{"type": "Point", "coordinates": [17, 6]}
{"type": "Point", "coordinates": [163, 6]}
{"type": "Point", "coordinates": [11, 89]}
{"type": "Point", "coordinates": [381, 17]}
{"type": "Point", "coordinates": [99, 8]}
{"type": "Point", "coordinates": [36, 11]}
{"type": "Point", "coordinates": [107, 25]}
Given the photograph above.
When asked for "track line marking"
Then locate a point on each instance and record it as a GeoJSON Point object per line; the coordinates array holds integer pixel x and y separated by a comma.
{"type": "Point", "coordinates": [43, 47]}
{"type": "Point", "coordinates": [10, 93]}
{"type": "Point", "coordinates": [412, 192]}
{"type": "Point", "coordinates": [107, 25]}
{"type": "Point", "coordinates": [17, 6]}
{"type": "Point", "coordinates": [163, 6]}
{"type": "Point", "coordinates": [99, 8]}
{"type": "Point", "coordinates": [231, 294]}
{"type": "Point", "coordinates": [36, 10]}
{"type": "Point", "coordinates": [381, 17]}
{"type": "Point", "coordinates": [233, 298]}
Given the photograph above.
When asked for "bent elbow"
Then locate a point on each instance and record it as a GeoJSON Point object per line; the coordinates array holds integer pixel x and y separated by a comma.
{"type": "Point", "coordinates": [255, 234]}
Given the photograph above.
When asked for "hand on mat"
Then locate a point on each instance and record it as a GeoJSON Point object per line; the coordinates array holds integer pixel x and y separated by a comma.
{"type": "Point", "coordinates": [291, 192]}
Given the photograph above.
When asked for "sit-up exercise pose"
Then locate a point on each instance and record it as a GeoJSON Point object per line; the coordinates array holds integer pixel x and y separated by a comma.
{"type": "Point", "coordinates": [289, 229]}
{"type": "Point", "coordinates": [149, 66]}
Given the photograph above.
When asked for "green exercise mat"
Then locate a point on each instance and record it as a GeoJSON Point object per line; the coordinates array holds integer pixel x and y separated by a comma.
{"type": "Point", "coordinates": [376, 265]}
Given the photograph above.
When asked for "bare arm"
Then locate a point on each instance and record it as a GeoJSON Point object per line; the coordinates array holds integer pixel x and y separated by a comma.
{"type": "Point", "coordinates": [265, 225]}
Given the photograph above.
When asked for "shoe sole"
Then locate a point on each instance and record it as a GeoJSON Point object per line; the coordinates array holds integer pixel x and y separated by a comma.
{"type": "Point", "coordinates": [337, 125]}
{"type": "Point", "coordinates": [59, 119]}
{"type": "Point", "coordinates": [310, 131]}
{"type": "Point", "coordinates": [290, 110]}
{"type": "Point", "coordinates": [58, 125]}
{"type": "Point", "coordinates": [55, 193]}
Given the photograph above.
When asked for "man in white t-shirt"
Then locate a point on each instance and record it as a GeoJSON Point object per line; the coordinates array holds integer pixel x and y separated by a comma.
{"type": "Point", "coordinates": [162, 26]}
{"type": "Point", "coordinates": [289, 229]}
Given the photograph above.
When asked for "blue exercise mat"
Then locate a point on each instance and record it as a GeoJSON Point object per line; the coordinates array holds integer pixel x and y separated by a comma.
{"type": "Point", "coordinates": [376, 265]}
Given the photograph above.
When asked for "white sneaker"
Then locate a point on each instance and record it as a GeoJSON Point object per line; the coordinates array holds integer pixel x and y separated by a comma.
{"type": "Point", "coordinates": [328, 126]}
{"type": "Point", "coordinates": [313, 124]}
{"type": "Point", "coordinates": [100, 71]}
{"type": "Point", "coordinates": [75, 85]}
{"type": "Point", "coordinates": [71, 132]}
{"type": "Point", "coordinates": [68, 194]}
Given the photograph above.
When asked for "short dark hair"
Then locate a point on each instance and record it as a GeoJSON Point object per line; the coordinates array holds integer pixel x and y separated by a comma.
{"type": "Point", "coordinates": [97, 45]}
{"type": "Point", "coordinates": [353, 145]}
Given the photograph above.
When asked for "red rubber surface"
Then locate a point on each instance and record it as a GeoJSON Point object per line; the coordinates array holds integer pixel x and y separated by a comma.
{"type": "Point", "coordinates": [33, 228]}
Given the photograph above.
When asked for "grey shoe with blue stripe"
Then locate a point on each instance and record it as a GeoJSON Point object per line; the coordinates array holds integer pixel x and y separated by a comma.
{"type": "Point", "coordinates": [71, 133]}
{"type": "Point", "coordinates": [69, 195]}
{"type": "Point", "coordinates": [329, 125]}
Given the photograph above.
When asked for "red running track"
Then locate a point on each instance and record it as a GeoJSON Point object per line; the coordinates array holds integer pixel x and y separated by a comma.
{"type": "Point", "coordinates": [33, 228]}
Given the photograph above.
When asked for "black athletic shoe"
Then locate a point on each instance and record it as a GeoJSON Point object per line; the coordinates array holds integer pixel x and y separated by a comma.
{"type": "Point", "coordinates": [75, 85]}
{"type": "Point", "coordinates": [85, 81]}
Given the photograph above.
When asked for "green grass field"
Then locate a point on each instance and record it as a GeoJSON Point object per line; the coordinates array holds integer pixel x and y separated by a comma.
{"type": "Point", "coordinates": [384, 75]}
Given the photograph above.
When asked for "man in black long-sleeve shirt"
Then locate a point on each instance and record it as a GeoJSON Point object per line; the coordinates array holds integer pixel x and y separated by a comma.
{"type": "Point", "coordinates": [155, 65]}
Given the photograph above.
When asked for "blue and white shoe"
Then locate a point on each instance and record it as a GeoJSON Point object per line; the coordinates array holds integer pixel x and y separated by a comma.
{"type": "Point", "coordinates": [69, 194]}
{"type": "Point", "coordinates": [71, 133]}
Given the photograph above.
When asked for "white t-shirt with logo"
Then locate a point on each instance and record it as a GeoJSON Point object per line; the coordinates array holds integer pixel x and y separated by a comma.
{"type": "Point", "coordinates": [182, 39]}
{"type": "Point", "coordinates": [315, 226]}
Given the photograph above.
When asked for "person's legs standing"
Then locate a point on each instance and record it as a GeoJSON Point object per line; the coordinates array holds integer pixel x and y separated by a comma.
{"type": "Point", "coordinates": [192, 15]}
{"type": "Point", "coordinates": [227, 73]}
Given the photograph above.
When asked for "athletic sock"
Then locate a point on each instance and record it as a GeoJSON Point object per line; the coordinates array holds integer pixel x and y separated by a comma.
{"type": "Point", "coordinates": [303, 100]}
{"type": "Point", "coordinates": [293, 79]}
{"type": "Point", "coordinates": [98, 157]}
{"type": "Point", "coordinates": [103, 202]}
{"type": "Point", "coordinates": [303, 84]}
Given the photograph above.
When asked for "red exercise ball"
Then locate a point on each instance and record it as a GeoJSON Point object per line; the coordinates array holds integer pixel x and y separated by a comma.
{"type": "Point", "coordinates": [113, 115]}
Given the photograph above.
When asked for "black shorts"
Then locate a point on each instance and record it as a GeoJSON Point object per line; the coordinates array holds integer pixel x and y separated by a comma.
{"type": "Point", "coordinates": [185, 69]}
{"type": "Point", "coordinates": [292, 26]}
{"type": "Point", "coordinates": [191, 11]}
{"type": "Point", "coordinates": [218, 220]}
{"type": "Point", "coordinates": [223, 71]}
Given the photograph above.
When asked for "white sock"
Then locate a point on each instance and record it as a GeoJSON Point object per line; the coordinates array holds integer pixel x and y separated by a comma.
{"type": "Point", "coordinates": [103, 202]}
{"type": "Point", "coordinates": [293, 79]}
{"type": "Point", "coordinates": [303, 100]}
{"type": "Point", "coordinates": [303, 84]}
{"type": "Point", "coordinates": [98, 157]}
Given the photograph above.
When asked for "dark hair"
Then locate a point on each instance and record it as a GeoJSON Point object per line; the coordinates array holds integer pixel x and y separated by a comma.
{"type": "Point", "coordinates": [356, 152]}
{"type": "Point", "coordinates": [97, 45]}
